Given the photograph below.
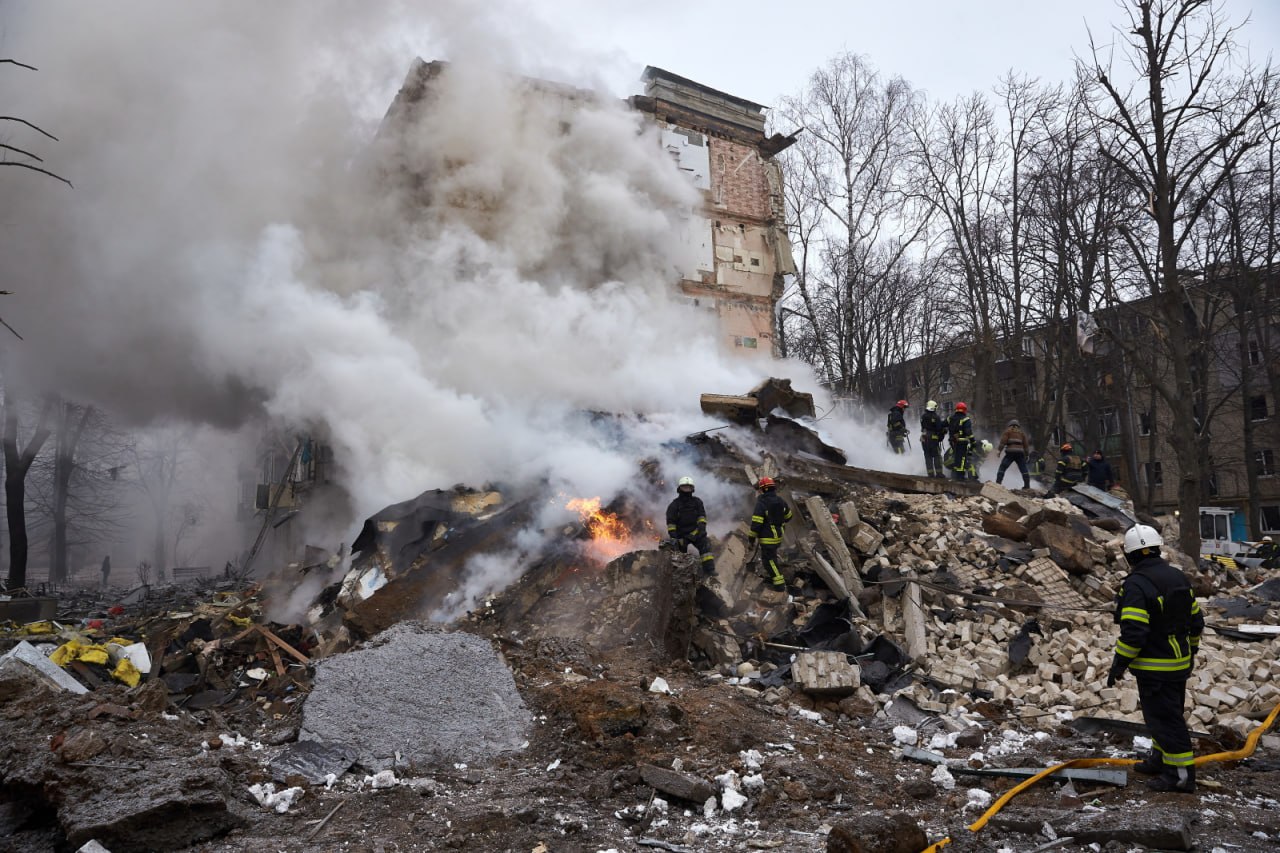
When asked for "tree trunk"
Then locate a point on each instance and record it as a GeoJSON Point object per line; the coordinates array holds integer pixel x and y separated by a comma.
{"type": "Point", "coordinates": [16, 465]}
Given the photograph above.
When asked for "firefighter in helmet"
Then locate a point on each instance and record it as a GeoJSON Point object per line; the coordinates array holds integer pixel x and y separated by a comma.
{"type": "Point", "coordinates": [960, 427]}
{"type": "Point", "coordinates": [896, 428]}
{"type": "Point", "coordinates": [687, 524]}
{"type": "Point", "coordinates": [768, 521]}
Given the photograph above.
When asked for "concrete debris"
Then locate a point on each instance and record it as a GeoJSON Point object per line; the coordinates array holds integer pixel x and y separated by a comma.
{"type": "Point", "coordinates": [825, 674]}
{"type": "Point", "coordinates": [312, 761]}
{"type": "Point", "coordinates": [892, 832]}
{"type": "Point", "coordinates": [92, 846]}
{"type": "Point", "coordinates": [25, 660]}
{"type": "Point", "coordinates": [277, 801]}
{"type": "Point", "coordinates": [1134, 826]}
{"type": "Point", "coordinates": [674, 783]}
{"type": "Point", "coordinates": [437, 696]}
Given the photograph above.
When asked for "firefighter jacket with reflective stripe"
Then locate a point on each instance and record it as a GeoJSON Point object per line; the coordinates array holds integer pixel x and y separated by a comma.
{"type": "Point", "coordinates": [1070, 470]}
{"type": "Point", "coordinates": [686, 517]}
{"type": "Point", "coordinates": [897, 424]}
{"type": "Point", "coordinates": [932, 428]}
{"type": "Point", "coordinates": [1013, 439]}
{"type": "Point", "coordinates": [1160, 621]}
{"type": "Point", "coordinates": [769, 518]}
{"type": "Point", "coordinates": [961, 428]}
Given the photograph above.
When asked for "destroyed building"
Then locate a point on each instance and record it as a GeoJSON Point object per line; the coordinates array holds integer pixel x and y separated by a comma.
{"type": "Point", "coordinates": [737, 242]}
{"type": "Point", "coordinates": [937, 642]}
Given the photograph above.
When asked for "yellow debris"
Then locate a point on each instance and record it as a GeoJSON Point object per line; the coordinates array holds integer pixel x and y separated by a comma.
{"type": "Point", "coordinates": [76, 650]}
{"type": "Point", "coordinates": [128, 673]}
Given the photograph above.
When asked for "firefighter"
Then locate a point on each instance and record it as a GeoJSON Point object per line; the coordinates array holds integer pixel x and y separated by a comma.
{"type": "Point", "coordinates": [1160, 626]}
{"type": "Point", "coordinates": [933, 429]}
{"type": "Point", "coordinates": [896, 429]}
{"type": "Point", "coordinates": [768, 521]}
{"type": "Point", "coordinates": [687, 524]}
{"type": "Point", "coordinates": [977, 457]}
{"type": "Point", "coordinates": [1071, 470]}
{"type": "Point", "coordinates": [961, 429]}
{"type": "Point", "coordinates": [1269, 551]}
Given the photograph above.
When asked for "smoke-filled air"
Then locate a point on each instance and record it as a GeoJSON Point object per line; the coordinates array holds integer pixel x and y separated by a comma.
{"type": "Point", "coordinates": [230, 254]}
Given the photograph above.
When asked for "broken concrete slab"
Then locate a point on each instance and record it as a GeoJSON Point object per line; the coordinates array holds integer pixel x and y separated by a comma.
{"type": "Point", "coordinates": [1133, 826]}
{"type": "Point", "coordinates": [997, 493]}
{"type": "Point", "coordinates": [1097, 775]}
{"type": "Point", "coordinates": [825, 674]}
{"type": "Point", "coordinates": [436, 696]}
{"type": "Point", "coordinates": [1066, 547]}
{"type": "Point", "coordinates": [25, 658]}
{"type": "Point", "coordinates": [684, 786]}
{"type": "Point", "coordinates": [866, 538]}
{"type": "Point", "coordinates": [159, 812]}
{"type": "Point", "coordinates": [999, 524]}
{"type": "Point", "coordinates": [734, 409]}
{"type": "Point", "coordinates": [825, 525]}
{"type": "Point", "coordinates": [774, 394]}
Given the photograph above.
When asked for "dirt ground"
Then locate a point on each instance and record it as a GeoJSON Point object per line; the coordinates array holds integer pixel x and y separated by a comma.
{"type": "Point", "coordinates": [577, 786]}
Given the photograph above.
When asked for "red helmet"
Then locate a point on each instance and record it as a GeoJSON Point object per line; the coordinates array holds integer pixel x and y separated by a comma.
{"type": "Point", "coordinates": [902, 404]}
{"type": "Point", "coordinates": [962, 407]}
{"type": "Point", "coordinates": [765, 483]}
{"type": "Point", "coordinates": [1066, 448]}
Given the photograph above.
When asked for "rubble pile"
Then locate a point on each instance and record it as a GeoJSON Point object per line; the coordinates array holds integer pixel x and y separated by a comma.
{"type": "Point", "coordinates": [932, 641]}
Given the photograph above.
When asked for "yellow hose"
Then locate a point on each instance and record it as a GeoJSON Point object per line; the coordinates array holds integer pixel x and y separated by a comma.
{"type": "Point", "coordinates": [1250, 744]}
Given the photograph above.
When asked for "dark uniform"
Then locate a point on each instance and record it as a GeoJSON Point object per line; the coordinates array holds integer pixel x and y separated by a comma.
{"type": "Point", "coordinates": [961, 429]}
{"type": "Point", "coordinates": [897, 430]}
{"type": "Point", "coordinates": [1160, 626]}
{"type": "Point", "coordinates": [1269, 552]}
{"type": "Point", "coordinates": [687, 524]}
{"type": "Point", "coordinates": [767, 522]}
{"type": "Point", "coordinates": [933, 429]}
{"type": "Point", "coordinates": [1071, 470]}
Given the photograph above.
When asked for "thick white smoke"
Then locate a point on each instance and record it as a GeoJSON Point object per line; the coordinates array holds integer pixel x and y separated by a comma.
{"type": "Point", "coordinates": [230, 252]}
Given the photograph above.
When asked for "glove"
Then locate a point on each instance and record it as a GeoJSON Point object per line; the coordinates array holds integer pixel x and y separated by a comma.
{"type": "Point", "coordinates": [1118, 666]}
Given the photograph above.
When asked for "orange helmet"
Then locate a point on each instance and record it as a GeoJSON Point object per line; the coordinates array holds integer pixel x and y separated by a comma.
{"type": "Point", "coordinates": [962, 407]}
{"type": "Point", "coordinates": [902, 404]}
{"type": "Point", "coordinates": [765, 483]}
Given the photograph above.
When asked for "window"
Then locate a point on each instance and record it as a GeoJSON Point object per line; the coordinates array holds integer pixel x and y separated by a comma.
{"type": "Point", "coordinates": [1255, 352]}
{"type": "Point", "coordinates": [1108, 422]}
{"type": "Point", "coordinates": [1144, 423]}
{"type": "Point", "coordinates": [1270, 518]}
{"type": "Point", "coordinates": [1264, 462]}
{"type": "Point", "coordinates": [749, 343]}
{"type": "Point", "coordinates": [945, 386]}
{"type": "Point", "coordinates": [1155, 473]}
{"type": "Point", "coordinates": [1258, 408]}
{"type": "Point", "coordinates": [915, 381]}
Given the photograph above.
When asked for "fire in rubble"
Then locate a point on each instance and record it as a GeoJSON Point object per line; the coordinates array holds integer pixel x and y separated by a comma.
{"type": "Point", "coordinates": [610, 537]}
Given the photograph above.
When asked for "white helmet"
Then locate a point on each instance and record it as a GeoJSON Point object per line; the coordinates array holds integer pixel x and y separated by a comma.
{"type": "Point", "coordinates": [932, 405]}
{"type": "Point", "coordinates": [1141, 536]}
{"type": "Point", "coordinates": [1266, 538]}
{"type": "Point", "coordinates": [986, 446]}
{"type": "Point", "coordinates": [685, 481]}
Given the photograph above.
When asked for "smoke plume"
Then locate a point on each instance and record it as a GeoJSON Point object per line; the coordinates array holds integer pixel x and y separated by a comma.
{"type": "Point", "coordinates": [234, 249]}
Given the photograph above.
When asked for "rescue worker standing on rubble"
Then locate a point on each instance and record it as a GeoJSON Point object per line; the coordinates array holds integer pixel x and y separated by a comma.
{"type": "Point", "coordinates": [768, 522]}
{"type": "Point", "coordinates": [1269, 552]}
{"type": "Point", "coordinates": [896, 429]}
{"type": "Point", "coordinates": [1160, 626]}
{"type": "Point", "coordinates": [687, 524]}
{"type": "Point", "coordinates": [961, 429]}
{"type": "Point", "coordinates": [933, 429]}
{"type": "Point", "coordinates": [1013, 444]}
{"type": "Point", "coordinates": [1071, 470]}
{"type": "Point", "coordinates": [1101, 475]}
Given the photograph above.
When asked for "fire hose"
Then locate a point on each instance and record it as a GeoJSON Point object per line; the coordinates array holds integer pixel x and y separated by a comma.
{"type": "Point", "coordinates": [1250, 744]}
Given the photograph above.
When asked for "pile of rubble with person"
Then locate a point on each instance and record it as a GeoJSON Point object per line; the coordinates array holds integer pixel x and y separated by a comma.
{"type": "Point", "coordinates": [864, 661]}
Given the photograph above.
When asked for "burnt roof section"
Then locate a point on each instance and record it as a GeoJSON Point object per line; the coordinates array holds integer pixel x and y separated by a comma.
{"type": "Point", "coordinates": [662, 85]}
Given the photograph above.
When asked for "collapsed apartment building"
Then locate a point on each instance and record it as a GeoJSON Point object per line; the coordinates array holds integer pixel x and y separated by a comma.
{"type": "Point", "coordinates": [936, 640]}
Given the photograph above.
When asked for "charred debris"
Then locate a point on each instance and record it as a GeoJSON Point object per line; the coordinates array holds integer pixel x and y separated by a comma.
{"type": "Point", "coordinates": [961, 617]}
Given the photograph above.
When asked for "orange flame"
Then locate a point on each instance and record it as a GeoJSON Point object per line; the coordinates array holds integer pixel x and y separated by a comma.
{"type": "Point", "coordinates": [610, 538]}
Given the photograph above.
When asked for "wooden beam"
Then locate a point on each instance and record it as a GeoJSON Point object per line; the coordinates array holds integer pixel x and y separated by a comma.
{"type": "Point", "coordinates": [826, 527]}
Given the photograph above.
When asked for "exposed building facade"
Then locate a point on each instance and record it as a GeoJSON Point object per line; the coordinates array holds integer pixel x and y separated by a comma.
{"type": "Point", "coordinates": [739, 240]}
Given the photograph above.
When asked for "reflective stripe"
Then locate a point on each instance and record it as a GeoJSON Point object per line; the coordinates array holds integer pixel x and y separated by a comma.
{"type": "Point", "coordinates": [1195, 607]}
{"type": "Point", "coordinates": [706, 558]}
{"type": "Point", "coordinates": [1195, 642]}
{"type": "Point", "coordinates": [1161, 664]}
{"type": "Point", "coordinates": [758, 519]}
{"type": "Point", "coordinates": [671, 528]}
{"type": "Point", "coordinates": [1178, 759]}
{"type": "Point", "coordinates": [702, 520]}
{"type": "Point", "coordinates": [1126, 650]}
{"type": "Point", "coordinates": [1135, 614]}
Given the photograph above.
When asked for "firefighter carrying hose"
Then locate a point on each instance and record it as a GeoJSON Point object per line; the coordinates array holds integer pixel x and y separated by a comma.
{"type": "Point", "coordinates": [1160, 626]}
{"type": "Point", "coordinates": [687, 524]}
{"type": "Point", "coordinates": [768, 521]}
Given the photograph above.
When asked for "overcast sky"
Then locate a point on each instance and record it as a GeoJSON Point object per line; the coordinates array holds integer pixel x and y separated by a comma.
{"type": "Point", "coordinates": [761, 49]}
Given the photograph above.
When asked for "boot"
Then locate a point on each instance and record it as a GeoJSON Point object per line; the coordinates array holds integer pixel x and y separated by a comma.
{"type": "Point", "coordinates": [1150, 765]}
{"type": "Point", "coordinates": [1175, 780]}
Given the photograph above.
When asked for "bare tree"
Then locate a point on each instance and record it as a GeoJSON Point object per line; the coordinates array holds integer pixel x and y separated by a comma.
{"type": "Point", "coordinates": [17, 462]}
{"type": "Point", "coordinates": [160, 459]}
{"type": "Point", "coordinates": [1175, 132]}
{"type": "Point", "coordinates": [852, 218]}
